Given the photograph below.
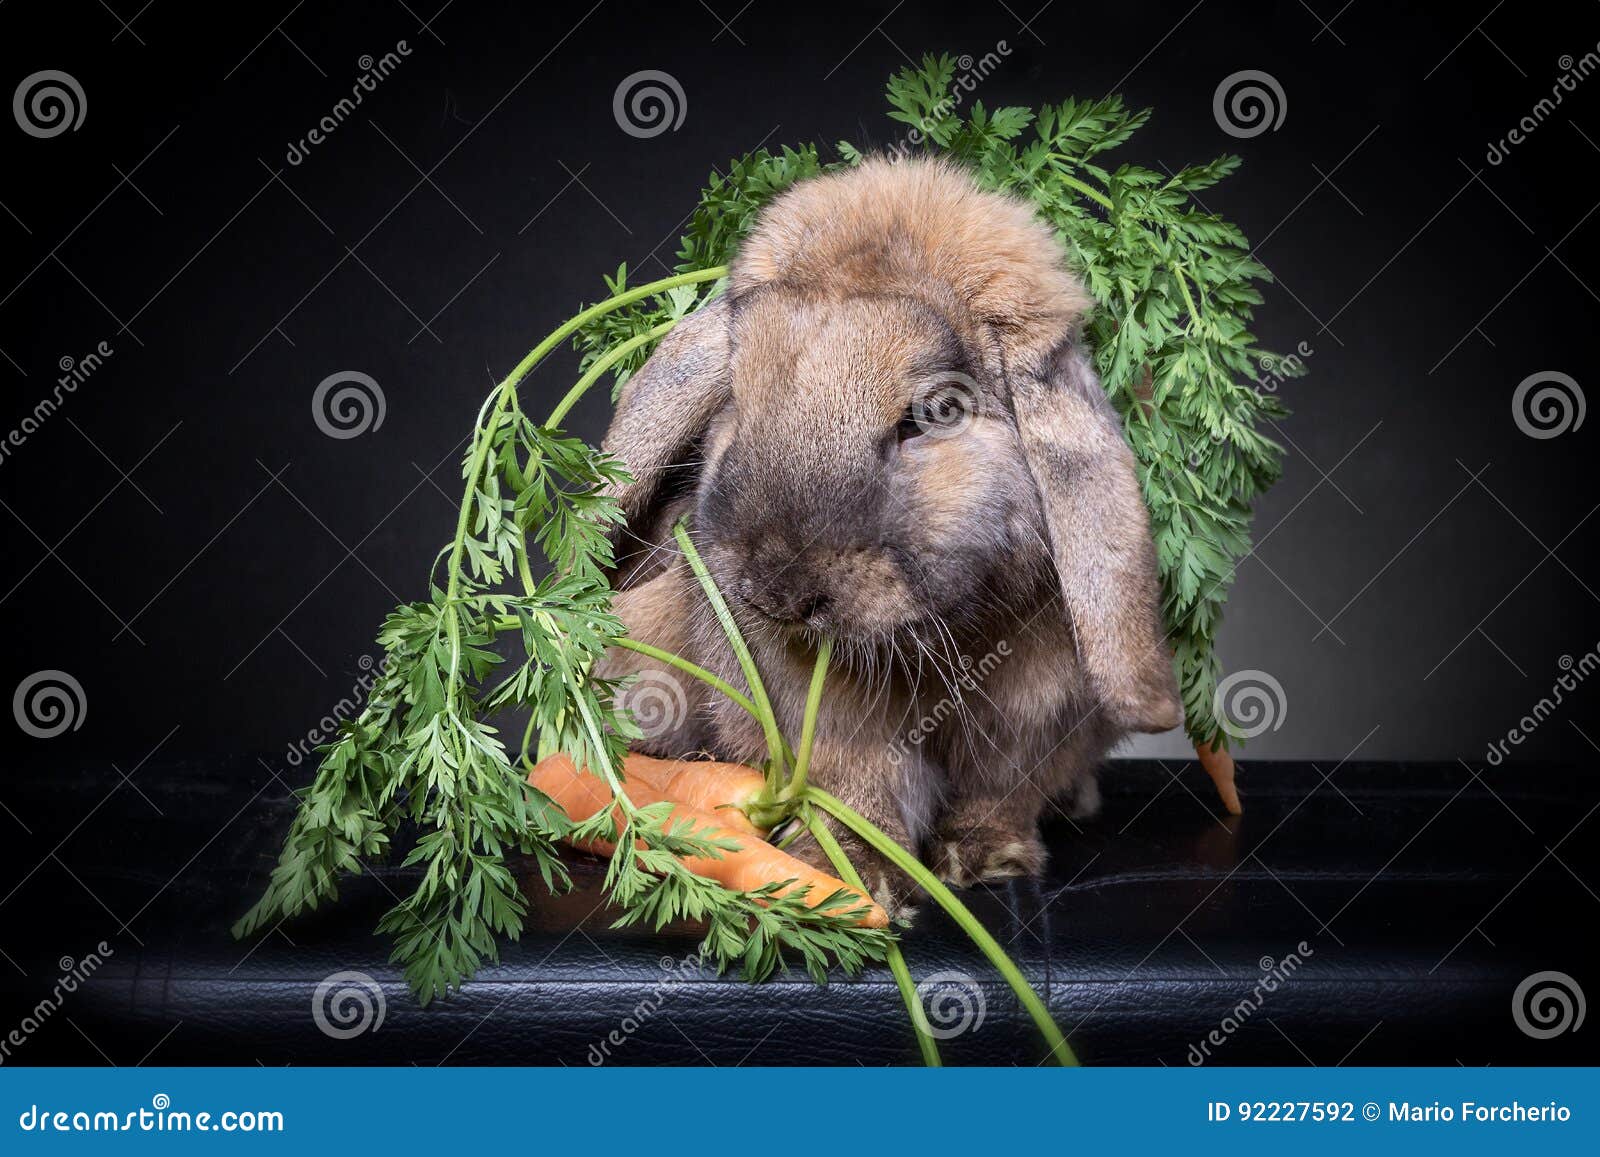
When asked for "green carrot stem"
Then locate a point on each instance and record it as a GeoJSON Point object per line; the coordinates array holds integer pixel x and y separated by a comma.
{"type": "Point", "coordinates": [808, 724]}
{"type": "Point", "coordinates": [1060, 1051]}
{"type": "Point", "coordinates": [841, 862]}
{"type": "Point", "coordinates": [758, 692]}
{"type": "Point", "coordinates": [480, 452]}
{"type": "Point", "coordinates": [1086, 189]}
{"type": "Point", "coordinates": [1183, 288]}
{"type": "Point", "coordinates": [894, 957]}
{"type": "Point", "coordinates": [600, 309]}
{"type": "Point", "coordinates": [601, 365]}
{"type": "Point", "coordinates": [692, 669]}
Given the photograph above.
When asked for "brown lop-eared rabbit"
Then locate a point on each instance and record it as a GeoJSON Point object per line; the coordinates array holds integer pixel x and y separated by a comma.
{"type": "Point", "coordinates": [887, 431]}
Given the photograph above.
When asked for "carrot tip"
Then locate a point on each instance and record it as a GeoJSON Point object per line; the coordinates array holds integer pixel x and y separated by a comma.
{"type": "Point", "coordinates": [1219, 766]}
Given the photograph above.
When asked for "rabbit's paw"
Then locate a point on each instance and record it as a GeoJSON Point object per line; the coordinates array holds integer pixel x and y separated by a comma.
{"type": "Point", "coordinates": [887, 884]}
{"type": "Point", "coordinates": [966, 856]}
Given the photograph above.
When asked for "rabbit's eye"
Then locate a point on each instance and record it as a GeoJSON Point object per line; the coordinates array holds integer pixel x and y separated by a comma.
{"type": "Point", "coordinates": [942, 410]}
{"type": "Point", "coordinates": [910, 425]}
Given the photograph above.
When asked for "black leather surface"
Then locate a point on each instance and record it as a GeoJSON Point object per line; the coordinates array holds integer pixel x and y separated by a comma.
{"type": "Point", "coordinates": [1424, 894]}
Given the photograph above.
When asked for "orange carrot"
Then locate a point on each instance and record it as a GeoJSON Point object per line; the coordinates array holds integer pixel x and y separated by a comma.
{"type": "Point", "coordinates": [1219, 766]}
{"type": "Point", "coordinates": [754, 864]}
{"type": "Point", "coordinates": [722, 789]}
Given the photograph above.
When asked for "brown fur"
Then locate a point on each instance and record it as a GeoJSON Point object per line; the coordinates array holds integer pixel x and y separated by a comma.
{"type": "Point", "coordinates": [777, 420]}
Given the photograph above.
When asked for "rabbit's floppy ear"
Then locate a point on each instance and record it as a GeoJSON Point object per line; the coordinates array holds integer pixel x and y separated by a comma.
{"type": "Point", "coordinates": [1099, 536]}
{"type": "Point", "coordinates": [664, 409]}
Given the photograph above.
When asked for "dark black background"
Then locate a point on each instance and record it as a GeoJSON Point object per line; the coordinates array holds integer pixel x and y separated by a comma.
{"type": "Point", "coordinates": [184, 541]}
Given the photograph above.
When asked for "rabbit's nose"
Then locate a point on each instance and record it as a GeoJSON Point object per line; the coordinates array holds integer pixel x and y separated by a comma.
{"type": "Point", "coordinates": [786, 604]}
{"type": "Point", "coordinates": [814, 606]}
